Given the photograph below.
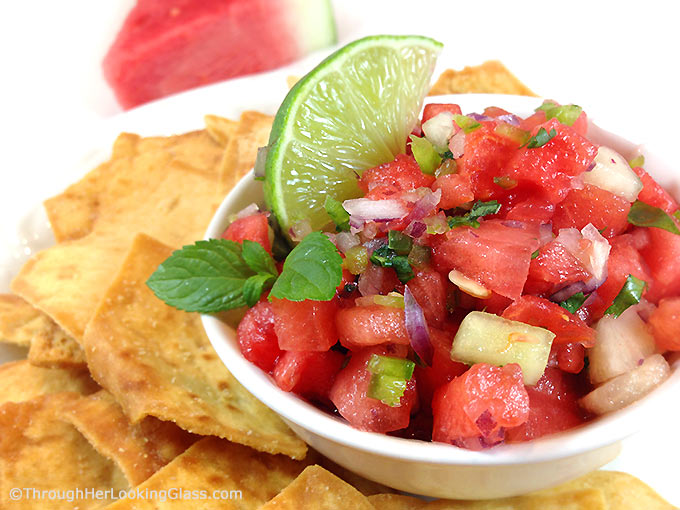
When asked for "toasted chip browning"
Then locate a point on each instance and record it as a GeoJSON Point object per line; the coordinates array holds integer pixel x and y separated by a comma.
{"type": "Point", "coordinates": [19, 321]}
{"type": "Point", "coordinates": [321, 490]}
{"type": "Point", "coordinates": [140, 449]}
{"type": "Point", "coordinates": [41, 452]}
{"type": "Point", "coordinates": [21, 381]}
{"type": "Point", "coordinates": [54, 348]}
{"type": "Point", "coordinates": [157, 361]}
{"type": "Point", "coordinates": [223, 475]}
{"type": "Point", "coordinates": [491, 77]}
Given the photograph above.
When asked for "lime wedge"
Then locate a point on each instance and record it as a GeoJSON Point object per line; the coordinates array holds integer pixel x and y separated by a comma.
{"type": "Point", "coordinates": [353, 111]}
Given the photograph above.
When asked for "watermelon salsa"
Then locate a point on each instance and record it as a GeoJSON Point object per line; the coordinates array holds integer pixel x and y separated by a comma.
{"type": "Point", "coordinates": [503, 280]}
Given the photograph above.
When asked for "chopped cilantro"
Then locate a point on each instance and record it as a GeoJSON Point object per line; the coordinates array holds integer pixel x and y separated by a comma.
{"type": "Point", "coordinates": [478, 210]}
{"type": "Point", "coordinates": [645, 215]}
{"type": "Point", "coordinates": [384, 256]}
{"type": "Point", "coordinates": [541, 138]}
{"type": "Point", "coordinates": [629, 295]}
{"type": "Point", "coordinates": [575, 302]}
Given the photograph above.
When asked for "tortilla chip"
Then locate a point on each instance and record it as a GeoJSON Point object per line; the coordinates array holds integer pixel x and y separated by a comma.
{"type": "Point", "coordinates": [622, 491]}
{"type": "Point", "coordinates": [167, 193]}
{"type": "Point", "coordinates": [220, 129]}
{"type": "Point", "coordinates": [229, 476]}
{"type": "Point", "coordinates": [138, 450]}
{"type": "Point", "coordinates": [491, 77]}
{"type": "Point", "coordinates": [20, 381]}
{"type": "Point", "coordinates": [157, 361]}
{"type": "Point", "coordinates": [19, 321]}
{"type": "Point", "coordinates": [363, 485]}
{"type": "Point", "coordinates": [38, 450]}
{"type": "Point", "coordinates": [251, 133]}
{"type": "Point", "coordinates": [54, 348]}
{"type": "Point", "coordinates": [581, 499]}
{"type": "Point", "coordinates": [318, 489]}
{"type": "Point", "coordinates": [291, 80]}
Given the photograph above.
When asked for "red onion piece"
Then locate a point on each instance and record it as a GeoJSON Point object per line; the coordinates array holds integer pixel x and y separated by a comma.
{"type": "Point", "coordinates": [372, 281]}
{"type": "Point", "coordinates": [416, 327]}
{"type": "Point", "coordinates": [425, 205]}
{"type": "Point", "coordinates": [248, 211]}
{"type": "Point", "coordinates": [591, 250]}
{"type": "Point", "coordinates": [479, 116]}
{"type": "Point", "coordinates": [457, 144]}
{"type": "Point", "coordinates": [513, 223]}
{"type": "Point", "coordinates": [415, 229]}
{"type": "Point", "coordinates": [346, 241]}
{"type": "Point", "coordinates": [568, 291]}
{"type": "Point", "coordinates": [509, 118]}
{"type": "Point", "coordinates": [545, 234]}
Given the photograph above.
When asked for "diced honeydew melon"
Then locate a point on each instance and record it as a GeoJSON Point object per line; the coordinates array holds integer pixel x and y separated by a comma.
{"type": "Point", "coordinates": [621, 343]}
{"type": "Point", "coordinates": [613, 173]}
{"type": "Point", "coordinates": [627, 388]}
{"type": "Point", "coordinates": [439, 129]}
{"type": "Point", "coordinates": [487, 338]}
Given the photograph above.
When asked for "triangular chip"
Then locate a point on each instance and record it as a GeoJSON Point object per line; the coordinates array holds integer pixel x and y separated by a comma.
{"type": "Point", "coordinates": [139, 450]}
{"type": "Point", "coordinates": [396, 502]}
{"type": "Point", "coordinates": [251, 133]}
{"type": "Point", "coordinates": [622, 491]}
{"type": "Point", "coordinates": [365, 486]}
{"type": "Point", "coordinates": [21, 381]}
{"type": "Point", "coordinates": [40, 453]}
{"type": "Point", "coordinates": [220, 129]}
{"type": "Point", "coordinates": [19, 321]}
{"type": "Point", "coordinates": [54, 348]}
{"type": "Point", "coordinates": [215, 474]}
{"type": "Point", "coordinates": [491, 77]}
{"type": "Point", "coordinates": [157, 361]}
{"type": "Point", "coordinates": [318, 489]}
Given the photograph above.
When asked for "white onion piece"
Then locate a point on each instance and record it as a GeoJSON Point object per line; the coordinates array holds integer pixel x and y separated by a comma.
{"type": "Point", "coordinates": [613, 173]}
{"type": "Point", "coordinates": [365, 209]}
{"type": "Point", "coordinates": [300, 230]}
{"type": "Point", "coordinates": [248, 211]}
{"type": "Point", "coordinates": [346, 240]}
{"type": "Point", "coordinates": [439, 129]}
{"type": "Point", "coordinates": [457, 144]}
{"type": "Point", "coordinates": [589, 247]}
{"type": "Point", "coordinates": [628, 387]}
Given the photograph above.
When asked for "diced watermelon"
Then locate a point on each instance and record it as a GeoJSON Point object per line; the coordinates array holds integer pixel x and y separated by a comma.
{"type": "Point", "coordinates": [653, 194]}
{"type": "Point", "coordinates": [456, 190]}
{"type": "Point", "coordinates": [305, 325]}
{"type": "Point", "coordinates": [308, 374]}
{"type": "Point", "coordinates": [362, 326]}
{"type": "Point", "coordinates": [568, 357]}
{"type": "Point", "coordinates": [662, 255]}
{"type": "Point", "coordinates": [665, 324]}
{"type": "Point", "coordinates": [475, 408]}
{"type": "Point", "coordinates": [479, 252]}
{"type": "Point", "coordinates": [540, 312]}
{"type": "Point", "coordinates": [553, 166]}
{"type": "Point", "coordinates": [553, 406]}
{"type": "Point", "coordinates": [378, 280]}
{"type": "Point", "coordinates": [349, 394]}
{"type": "Point", "coordinates": [443, 368]}
{"type": "Point", "coordinates": [429, 289]}
{"type": "Point", "coordinates": [623, 260]}
{"type": "Point", "coordinates": [254, 228]}
{"type": "Point", "coordinates": [535, 209]}
{"type": "Point", "coordinates": [433, 109]}
{"type": "Point", "coordinates": [486, 156]}
{"type": "Point", "coordinates": [533, 121]}
{"type": "Point", "coordinates": [552, 269]}
{"type": "Point", "coordinates": [257, 337]}
{"type": "Point", "coordinates": [495, 111]}
{"type": "Point", "coordinates": [164, 48]}
{"type": "Point", "coordinates": [592, 205]}
{"type": "Point", "coordinates": [388, 179]}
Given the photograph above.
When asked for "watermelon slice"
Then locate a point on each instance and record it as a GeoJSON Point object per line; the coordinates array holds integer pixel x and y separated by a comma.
{"type": "Point", "coordinates": [167, 47]}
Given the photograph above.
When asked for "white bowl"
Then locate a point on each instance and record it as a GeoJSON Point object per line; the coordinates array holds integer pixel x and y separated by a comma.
{"type": "Point", "coordinates": [437, 469]}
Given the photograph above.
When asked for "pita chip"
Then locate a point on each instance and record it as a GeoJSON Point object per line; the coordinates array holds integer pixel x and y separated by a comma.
{"type": "Point", "coordinates": [492, 77]}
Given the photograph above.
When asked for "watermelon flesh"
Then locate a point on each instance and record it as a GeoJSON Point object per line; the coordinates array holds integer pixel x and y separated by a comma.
{"type": "Point", "coordinates": [165, 48]}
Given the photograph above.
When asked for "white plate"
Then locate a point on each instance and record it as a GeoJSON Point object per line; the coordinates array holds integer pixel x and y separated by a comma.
{"type": "Point", "coordinates": [25, 229]}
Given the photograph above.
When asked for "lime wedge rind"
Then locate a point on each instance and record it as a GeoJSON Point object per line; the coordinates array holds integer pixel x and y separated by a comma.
{"type": "Point", "coordinates": [351, 112]}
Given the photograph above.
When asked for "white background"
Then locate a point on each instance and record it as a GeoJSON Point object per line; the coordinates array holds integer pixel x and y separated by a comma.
{"type": "Point", "coordinates": [619, 60]}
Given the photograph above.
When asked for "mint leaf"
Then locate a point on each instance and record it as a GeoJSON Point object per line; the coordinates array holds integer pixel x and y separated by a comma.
{"type": "Point", "coordinates": [384, 256]}
{"type": "Point", "coordinates": [478, 210]}
{"type": "Point", "coordinates": [258, 259]}
{"type": "Point", "coordinates": [255, 285]}
{"type": "Point", "coordinates": [312, 270]}
{"type": "Point", "coordinates": [337, 213]}
{"type": "Point", "coordinates": [575, 302]}
{"type": "Point", "coordinates": [645, 215]}
{"type": "Point", "coordinates": [205, 277]}
{"type": "Point", "coordinates": [629, 295]}
{"type": "Point", "coordinates": [540, 138]}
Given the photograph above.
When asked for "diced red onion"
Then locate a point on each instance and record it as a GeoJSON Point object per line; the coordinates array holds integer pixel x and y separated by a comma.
{"type": "Point", "coordinates": [365, 209]}
{"type": "Point", "coordinates": [415, 229]}
{"type": "Point", "coordinates": [479, 116]}
{"type": "Point", "coordinates": [260, 160]}
{"type": "Point", "coordinates": [509, 118]}
{"type": "Point", "coordinates": [513, 223]}
{"type": "Point", "coordinates": [248, 211]}
{"type": "Point", "coordinates": [592, 254]}
{"type": "Point", "coordinates": [427, 204]}
{"type": "Point", "coordinates": [331, 237]}
{"type": "Point", "coordinates": [416, 327]}
{"type": "Point", "coordinates": [346, 240]}
{"type": "Point", "coordinates": [457, 144]}
{"type": "Point", "coordinates": [372, 280]}
{"type": "Point", "coordinates": [568, 291]}
{"type": "Point", "coordinates": [374, 244]}
{"type": "Point", "coordinates": [545, 234]}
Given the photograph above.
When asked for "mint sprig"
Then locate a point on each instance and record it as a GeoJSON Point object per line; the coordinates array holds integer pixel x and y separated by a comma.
{"type": "Point", "coordinates": [629, 295]}
{"type": "Point", "coordinates": [206, 277]}
{"type": "Point", "coordinates": [540, 138]}
{"type": "Point", "coordinates": [216, 275]}
{"type": "Point", "coordinates": [645, 215]}
{"type": "Point", "coordinates": [470, 219]}
{"type": "Point", "coordinates": [313, 270]}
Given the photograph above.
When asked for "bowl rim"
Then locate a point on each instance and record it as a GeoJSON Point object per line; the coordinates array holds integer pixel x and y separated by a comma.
{"type": "Point", "coordinates": [598, 433]}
